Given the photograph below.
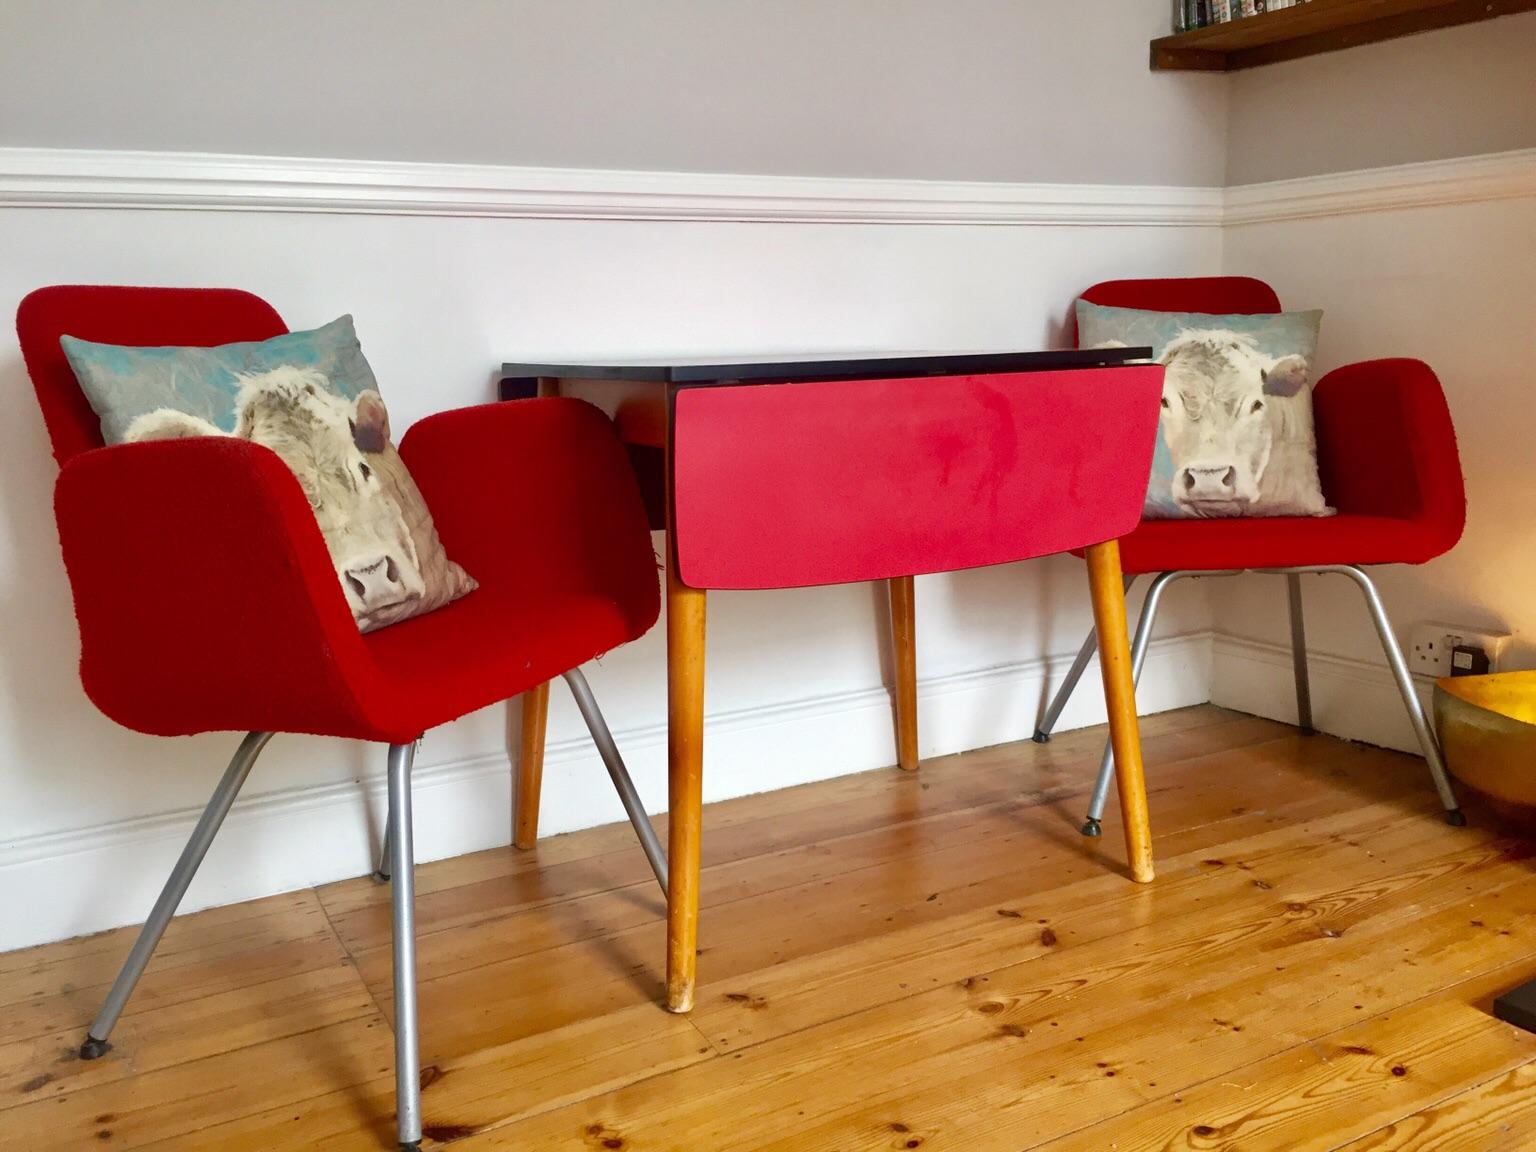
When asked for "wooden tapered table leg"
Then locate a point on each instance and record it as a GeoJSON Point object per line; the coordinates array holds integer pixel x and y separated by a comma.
{"type": "Point", "coordinates": [530, 766]}
{"type": "Point", "coordinates": [904, 646]}
{"type": "Point", "coordinates": [1108, 590]}
{"type": "Point", "coordinates": [685, 783]}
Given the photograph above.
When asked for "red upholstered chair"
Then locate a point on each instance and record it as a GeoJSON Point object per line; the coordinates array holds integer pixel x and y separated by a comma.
{"type": "Point", "coordinates": [207, 601]}
{"type": "Point", "coordinates": [1387, 456]}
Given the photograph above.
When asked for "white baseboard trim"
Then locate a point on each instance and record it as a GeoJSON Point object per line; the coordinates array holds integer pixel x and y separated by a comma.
{"type": "Point", "coordinates": [1353, 699]}
{"type": "Point", "coordinates": [80, 178]}
{"type": "Point", "coordinates": [68, 883]}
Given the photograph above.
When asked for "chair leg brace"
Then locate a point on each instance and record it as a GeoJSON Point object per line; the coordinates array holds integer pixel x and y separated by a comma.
{"type": "Point", "coordinates": [1394, 653]}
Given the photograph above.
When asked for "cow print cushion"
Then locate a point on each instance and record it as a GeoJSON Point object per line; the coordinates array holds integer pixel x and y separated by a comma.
{"type": "Point", "coordinates": [311, 398]}
{"type": "Point", "coordinates": [1236, 434]}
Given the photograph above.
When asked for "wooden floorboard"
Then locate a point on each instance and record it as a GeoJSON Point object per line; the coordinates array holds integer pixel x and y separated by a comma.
{"type": "Point", "coordinates": [889, 960]}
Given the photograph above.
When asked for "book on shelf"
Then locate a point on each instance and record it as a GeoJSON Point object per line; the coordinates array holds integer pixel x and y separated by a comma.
{"type": "Point", "coordinates": [1189, 14]}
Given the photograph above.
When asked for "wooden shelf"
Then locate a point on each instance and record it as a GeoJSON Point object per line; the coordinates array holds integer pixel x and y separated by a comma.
{"type": "Point", "coordinates": [1318, 26]}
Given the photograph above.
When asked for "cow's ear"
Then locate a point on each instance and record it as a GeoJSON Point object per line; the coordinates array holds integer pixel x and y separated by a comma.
{"type": "Point", "coordinates": [1286, 376]}
{"type": "Point", "coordinates": [370, 422]}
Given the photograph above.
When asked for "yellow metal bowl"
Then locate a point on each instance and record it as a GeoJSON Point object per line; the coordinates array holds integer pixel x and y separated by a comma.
{"type": "Point", "coordinates": [1487, 728]}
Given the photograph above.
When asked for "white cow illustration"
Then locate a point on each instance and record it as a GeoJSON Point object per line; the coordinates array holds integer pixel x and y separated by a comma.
{"type": "Point", "coordinates": [340, 451]}
{"type": "Point", "coordinates": [1234, 422]}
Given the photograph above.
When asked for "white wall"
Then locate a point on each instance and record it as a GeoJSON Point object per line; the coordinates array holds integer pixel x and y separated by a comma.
{"type": "Point", "coordinates": [1453, 92]}
{"type": "Point", "coordinates": [1453, 284]}
{"type": "Point", "coordinates": [1448, 277]}
{"type": "Point", "coordinates": [954, 90]}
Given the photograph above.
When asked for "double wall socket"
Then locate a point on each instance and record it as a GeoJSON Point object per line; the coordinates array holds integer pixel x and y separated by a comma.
{"type": "Point", "coordinates": [1432, 644]}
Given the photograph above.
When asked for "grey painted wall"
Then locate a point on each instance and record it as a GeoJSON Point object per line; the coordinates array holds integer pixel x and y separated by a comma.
{"type": "Point", "coordinates": [1452, 92]}
{"type": "Point", "coordinates": [1012, 90]}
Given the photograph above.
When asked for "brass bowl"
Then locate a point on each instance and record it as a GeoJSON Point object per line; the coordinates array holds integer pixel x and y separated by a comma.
{"type": "Point", "coordinates": [1487, 728]}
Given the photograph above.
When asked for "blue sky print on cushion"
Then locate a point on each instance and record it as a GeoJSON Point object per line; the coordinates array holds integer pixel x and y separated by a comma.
{"type": "Point", "coordinates": [123, 383]}
{"type": "Point", "coordinates": [1236, 437]}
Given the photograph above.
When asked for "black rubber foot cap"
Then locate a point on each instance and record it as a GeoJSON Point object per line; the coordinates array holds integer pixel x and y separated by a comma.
{"type": "Point", "coordinates": [1308, 731]}
{"type": "Point", "coordinates": [1455, 819]}
{"type": "Point", "coordinates": [93, 1048]}
{"type": "Point", "coordinates": [1091, 827]}
{"type": "Point", "coordinates": [413, 1146]}
{"type": "Point", "coordinates": [1041, 737]}
{"type": "Point", "coordinates": [380, 877]}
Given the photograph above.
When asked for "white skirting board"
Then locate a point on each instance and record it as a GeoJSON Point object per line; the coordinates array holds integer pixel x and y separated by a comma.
{"type": "Point", "coordinates": [64, 884]}
{"type": "Point", "coordinates": [1352, 699]}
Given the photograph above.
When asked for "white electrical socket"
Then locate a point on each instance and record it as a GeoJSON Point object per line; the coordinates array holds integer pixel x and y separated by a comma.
{"type": "Point", "coordinates": [1429, 653]}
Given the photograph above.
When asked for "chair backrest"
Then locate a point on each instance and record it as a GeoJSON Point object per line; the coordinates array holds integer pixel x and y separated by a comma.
{"type": "Point", "coordinates": [1218, 295]}
{"type": "Point", "coordinates": [144, 317]}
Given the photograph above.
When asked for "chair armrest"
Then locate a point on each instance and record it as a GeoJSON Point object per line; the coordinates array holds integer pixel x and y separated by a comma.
{"type": "Point", "coordinates": [205, 595]}
{"type": "Point", "coordinates": [1387, 447]}
{"type": "Point", "coordinates": [538, 496]}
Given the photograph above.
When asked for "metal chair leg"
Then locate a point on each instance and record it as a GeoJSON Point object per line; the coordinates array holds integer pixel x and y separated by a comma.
{"type": "Point", "coordinates": [1399, 666]}
{"type": "Point", "coordinates": [1092, 826]}
{"type": "Point", "coordinates": [382, 872]}
{"type": "Point", "coordinates": [1074, 674]}
{"type": "Point", "coordinates": [609, 751]}
{"type": "Point", "coordinates": [207, 828]}
{"type": "Point", "coordinates": [403, 897]}
{"type": "Point", "coordinates": [1299, 655]}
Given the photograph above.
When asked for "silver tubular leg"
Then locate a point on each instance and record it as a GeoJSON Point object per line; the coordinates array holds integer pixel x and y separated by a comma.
{"type": "Point", "coordinates": [386, 859]}
{"type": "Point", "coordinates": [1074, 674]}
{"type": "Point", "coordinates": [403, 893]}
{"type": "Point", "coordinates": [382, 872]}
{"type": "Point", "coordinates": [618, 773]}
{"type": "Point", "coordinates": [1299, 654]}
{"type": "Point", "coordinates": [170, 896]}
{"type": "Point", "coordinates": [1405, 688]}
{"type": "Point", "coordinates": [1092, 826]}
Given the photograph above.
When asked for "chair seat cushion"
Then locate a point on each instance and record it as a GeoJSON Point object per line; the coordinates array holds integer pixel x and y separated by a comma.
{"type": "Point", "coordinates": [482, 649]}
{"type": "Point", "coordinates": [1278, 542]}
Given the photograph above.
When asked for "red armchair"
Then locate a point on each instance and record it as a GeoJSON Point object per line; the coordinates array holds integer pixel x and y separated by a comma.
{"type": "Point", "coordinates": [1388, 462]}
{"type": "Point", "coordinates": [206, 599]}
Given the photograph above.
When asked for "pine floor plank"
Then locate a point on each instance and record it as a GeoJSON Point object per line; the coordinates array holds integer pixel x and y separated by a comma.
{"type": "Point", "coordinates": [184, 1031]}
{"type": "Point", "coordinates": [1316, 1095]}
{"type": "Point", "coordinates": [890, 960]}
{"type": "Point", "coordinates": [486, 886]}
{"type": "Point", "coordinates": [1498, 1115]}
{"type": "Point", "coordinates": [1082, 1035]}
{"type": "Point", "coordinates": [755, 916]}
{"type": "Point", "coordinates": [137, 1110]}
{"type": "Point", "coordinates": [191, 941]}
{"type": "Point", "coordinates": [1292, 864]}
{"type": "Point", "coordinates": [490, 1087]}
{"type": "Point", "coordinates": [230, 965]}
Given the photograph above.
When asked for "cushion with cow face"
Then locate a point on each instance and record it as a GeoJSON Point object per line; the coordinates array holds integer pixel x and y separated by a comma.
{"type": "Point", "coordinates": [311, 398]}
{"type": "Point", "coordinates": [1236, 436]}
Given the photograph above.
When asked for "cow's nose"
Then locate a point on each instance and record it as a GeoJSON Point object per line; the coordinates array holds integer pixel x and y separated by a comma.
{"type": "Point", "coordinates": [1210, 482]}
{"type": "Point", "coordinates": [375, 583]}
